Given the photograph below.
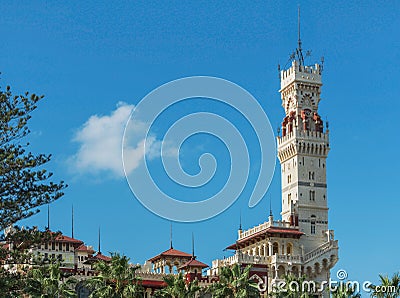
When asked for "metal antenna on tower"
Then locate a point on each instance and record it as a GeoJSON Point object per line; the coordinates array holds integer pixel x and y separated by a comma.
{"type": "Point", "coordinates": [299, 51]}
{"type": "Point", "coordinates": [298, 27]}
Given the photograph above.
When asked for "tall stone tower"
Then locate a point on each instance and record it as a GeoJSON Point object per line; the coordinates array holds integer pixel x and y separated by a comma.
{"type": "Point", "coordinates": [302, 151]}
{"type": "Point", "coordinates": [300, 243]}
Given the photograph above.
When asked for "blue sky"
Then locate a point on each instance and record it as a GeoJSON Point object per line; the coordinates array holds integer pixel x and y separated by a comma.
{"type": "Point", "coordinates": [88, 57]}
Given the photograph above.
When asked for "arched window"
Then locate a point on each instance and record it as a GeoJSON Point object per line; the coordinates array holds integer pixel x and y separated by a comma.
{"type": "Point", "coordinates": [289, 249]}
{"type": "Point", "coordinates": [313, 224]}
{"type": "Point", "coordinates": [275, 248]}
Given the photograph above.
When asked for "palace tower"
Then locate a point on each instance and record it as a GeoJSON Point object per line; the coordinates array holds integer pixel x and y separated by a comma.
{"type": "Point", "coordinates": [300, 243]}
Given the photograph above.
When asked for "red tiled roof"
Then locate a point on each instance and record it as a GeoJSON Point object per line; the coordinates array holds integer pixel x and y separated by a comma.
{"type": "Point", "coordinates": [271, 230]}
{"type": "Point", "coordinates": [171, 253]}
{"type": "Point", "coordinates": [284, 231]}
{"type": "Point", "coordinates": [84, 248]}
{"type": "Point", "coordinates": [193, 263]}
{"type": "Point", "coordinates": [100, 256]}
{"type": "Point", "coordinates": [63, 238]}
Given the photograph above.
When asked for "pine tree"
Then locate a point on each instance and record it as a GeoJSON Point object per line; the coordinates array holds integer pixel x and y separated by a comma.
{"type": "Point", "coordinates": [24, 183]}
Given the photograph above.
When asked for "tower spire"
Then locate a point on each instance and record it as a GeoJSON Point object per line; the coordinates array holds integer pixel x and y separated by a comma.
{"type": "Point", "coordinates": [271, 216]}
{"type": "Point", "coordinates": [270, 206]}
{"type": "Point", "coordinates": [99, 248]}
{"type": "Point", "coordinates": [48, 216]}
{"type": "Point", "coordinates": [298, 27]}
{"type": "Point", "coordinates": [192, 245]}
{"type": "Point", "coordinates": [170, 236]}
{"type": "Point", "coordinates": [240, 220]}
{"type": "Point", "coordinates": [72, 219]}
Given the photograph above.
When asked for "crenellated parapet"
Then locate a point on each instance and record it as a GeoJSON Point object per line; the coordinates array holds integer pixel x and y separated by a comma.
{"type": "Point", "coordinates": [301, 74]}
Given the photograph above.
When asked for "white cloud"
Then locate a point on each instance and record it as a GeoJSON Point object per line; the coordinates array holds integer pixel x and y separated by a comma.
{"type": "Point", "coordinates": [100, 141]}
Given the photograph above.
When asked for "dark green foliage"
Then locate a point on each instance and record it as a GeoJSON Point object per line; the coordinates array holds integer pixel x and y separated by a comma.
{"type": "Point", "coordinates": [16, 259]}
{"type": "Point", "coordinates": [293, 288]}
{"type": "Point", "coordinates": [344, 291]}
{"type": "Point", "coordinates": [234, 282]}
{"type": "Point", "coordinates": [115, 279]}
{"type": "Point", "coordinates": [49, 281]}
{"type": "Point", "coordinates": [177, 287]}
{"type": "Point", "coordinates": [24, 183]}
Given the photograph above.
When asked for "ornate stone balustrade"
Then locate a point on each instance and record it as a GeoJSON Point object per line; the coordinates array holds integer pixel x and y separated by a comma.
{"type": "Point", "coordinates": [263, 226]}
{"type": "Point", "coordinates": [286, 259]}
{"type": "Point", "coordinates": [320, 250]}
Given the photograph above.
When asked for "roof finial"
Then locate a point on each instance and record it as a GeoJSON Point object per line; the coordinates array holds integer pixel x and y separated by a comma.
{"type": "Point", "coordinates": [240, 220]}
{"type": "Point", "coordinates": [170, 236]}
{"type": "Point", "coordinates": [99, 248]}
{"type": "Point", "coordinates": [193, 245]}
{"type": "Point", "coordinates": [72, 218]}
{"type": "Point", "coordinates": [270, 206]}
{"type": "Point", "coordinates": [48, 216]}
{"type": "Point", "coordinates": [279, 71]}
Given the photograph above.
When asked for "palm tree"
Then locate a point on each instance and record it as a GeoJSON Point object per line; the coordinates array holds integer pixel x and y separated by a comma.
{"type": "Point", "coordinates": [388, 288]}
{"type": "Point", "coordinates": [293, 288]}
{"type": "Point", "coordinates": [115, 279]}
{"type": "Point", "coordinates": [234, 282]}
{"type": "Point", "coordinates": [344, 291]}
{"type": "Point", "coordinates": [177, 287]}
{"type": "Point", "coordinates": [46, 282]}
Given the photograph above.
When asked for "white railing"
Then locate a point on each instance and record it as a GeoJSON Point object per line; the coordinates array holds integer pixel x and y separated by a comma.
{"type": "Point", "coordinates": [320, 250]}
{"type": "Point", "coordinates": [241, 258]}
{"type": "Point", "coordinates": [286, 258]}
{"type": "Point", "coordinates": [262, 227]}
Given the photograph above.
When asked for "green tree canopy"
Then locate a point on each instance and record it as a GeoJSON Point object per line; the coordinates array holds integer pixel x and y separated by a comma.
{"type": "Point", "coordinates": [115, 279]}
{"type": "Point", "coordinates": [177, 287]}
{"type": "Point", "coordinates": [24, 183]}
{"type": "Point", "coordinates": [234, 282]}
{"type": "Point", "coordinates": [16, 259]}
{"type": "Point", "coordinates": [292, 288]}
{"type": "Point", "coordinates": [48, 282]}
